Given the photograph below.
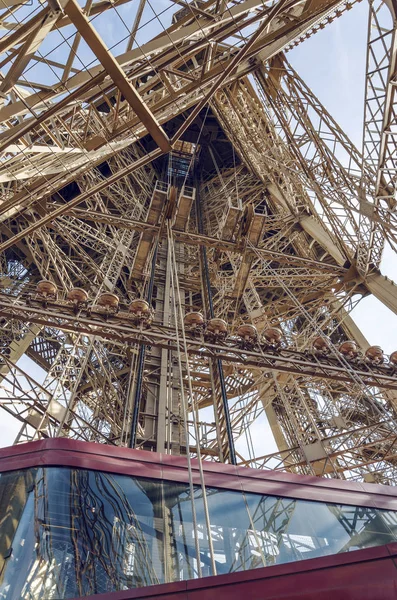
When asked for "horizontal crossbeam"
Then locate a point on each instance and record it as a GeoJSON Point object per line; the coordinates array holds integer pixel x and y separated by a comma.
{"type": "Point", "coordinates": [120, 328]}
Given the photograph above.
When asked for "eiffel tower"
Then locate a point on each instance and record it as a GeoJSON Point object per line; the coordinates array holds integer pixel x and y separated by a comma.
{"type": "Point", "coordinates": [185, 230]}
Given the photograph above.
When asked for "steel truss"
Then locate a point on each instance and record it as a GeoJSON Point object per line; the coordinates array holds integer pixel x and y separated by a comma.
{"type": "Point", "coordinates": [196, 170]}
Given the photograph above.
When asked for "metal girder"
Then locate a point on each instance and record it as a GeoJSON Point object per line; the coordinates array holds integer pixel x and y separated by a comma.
{"type": "Point", "coordinates": [81, 198]}
{"type": "Point", "coordinates": [386, 438]}
{"type": "Point", "coordinates": [113, 69]}
{"type": "Point", "coordinates": [384, 289]}
{"type": "Point", "coordinates": [18, 36]}
{"type": "Point", "coordinates": [379, 135]}
{"type": "Point", "coordinates": [28, 49]}
{"type": "Point", "coordinates": [331, 166]}
{"type": "Point", "coordinates": [136, 23]}
{"type": "Point", "coordinates": [18, 348]}
{"type": "Point", "coordinates": [117, 328]}
{"type": "Point", "coordinates": [261, 145]}
{"type": "Point", "coordinates": [195, 239]}
{"type": "Point", "coordinates": [184, 96]}
{"type": "Point", "coordinates": [326, 232]}
{"type": "Point", "coordinates": [275, 10]}
{"type": "Point", "coordinates": [32, 404]}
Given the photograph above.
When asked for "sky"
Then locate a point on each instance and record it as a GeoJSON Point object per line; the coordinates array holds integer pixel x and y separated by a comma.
{"type": "Point", "coordinates": [332, 63]}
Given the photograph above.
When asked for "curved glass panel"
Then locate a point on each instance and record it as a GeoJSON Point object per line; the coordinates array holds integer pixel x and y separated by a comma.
{"type": "Point", "coordinates": [66, 532]}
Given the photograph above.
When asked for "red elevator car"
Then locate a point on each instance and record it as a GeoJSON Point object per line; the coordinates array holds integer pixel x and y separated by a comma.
{"type": "Point", "coordinates": [84, 520]}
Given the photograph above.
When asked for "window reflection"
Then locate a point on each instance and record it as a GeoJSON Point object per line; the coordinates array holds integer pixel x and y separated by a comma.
{"type": "Point", "coordinates": [70, 532]}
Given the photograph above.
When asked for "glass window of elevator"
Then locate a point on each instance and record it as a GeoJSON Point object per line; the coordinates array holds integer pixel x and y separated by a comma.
{"type": "Point", "coordinates": [66, 533]}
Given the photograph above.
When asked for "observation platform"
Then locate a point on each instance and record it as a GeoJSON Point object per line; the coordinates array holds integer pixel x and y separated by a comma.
{"type": "Point", "coordinates": [81, 520]}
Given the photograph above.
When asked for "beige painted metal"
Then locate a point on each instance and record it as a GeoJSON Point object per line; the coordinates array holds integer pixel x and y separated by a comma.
{"type": "Point", "coordinates": [383, 289]}
{"type": "Point", "coordinates": [284, 210]}
{"type": "Point", "coordinates": [112, 67]}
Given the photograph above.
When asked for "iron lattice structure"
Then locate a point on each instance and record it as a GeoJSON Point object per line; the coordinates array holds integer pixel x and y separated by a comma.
{"type": "Point", "coordinates": [169, 153]}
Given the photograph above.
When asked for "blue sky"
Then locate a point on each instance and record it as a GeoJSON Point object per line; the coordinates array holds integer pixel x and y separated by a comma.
{"type": "Point", "coordinates": [332, 63]}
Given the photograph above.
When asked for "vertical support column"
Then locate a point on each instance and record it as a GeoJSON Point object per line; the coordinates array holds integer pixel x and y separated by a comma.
{"type": "Point", "coordinates": [164, 369]}
{"type": "Point", "coordinates": [155, 395]}
{"type": "Point", "coordinates": [222, 414]}
{"type": "Point", "coordinates": [137, 389]}
{"type": "Point", "coordinates": [165, 387]}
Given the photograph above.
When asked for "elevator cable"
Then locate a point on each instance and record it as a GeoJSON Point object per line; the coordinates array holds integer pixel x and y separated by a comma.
{"type": "Point", "coordinates": [178, 308]}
